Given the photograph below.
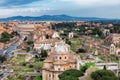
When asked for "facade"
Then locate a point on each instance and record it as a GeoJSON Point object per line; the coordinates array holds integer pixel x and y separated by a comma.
{"type": "Point", "coordinates": [106, 32]}
{"type": "Point", "coordinates": [109, 66]}
{"type": "Point", "coordinates": [113, 39]}
{"type": "Point", "coordinates": [112, 49]}
{"type": "Point", "coordinates": [25, 29]}
{"type": "Point", "coordinates": [71, 35]}
{"type": "Point", "coordinates": [61, 59]}
{"type": "Point", "coordinates": [55, 35]}
{"type": "Point", "coordinates": [44, 46]}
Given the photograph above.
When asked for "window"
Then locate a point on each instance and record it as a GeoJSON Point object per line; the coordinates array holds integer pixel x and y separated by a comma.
{"type": "Point", "coordinates": [118, 53]}
{"type": "Point", "coordinates": [75, 66]}
{"type": "Point", "coordinates": [60, 57]}
{"type": "Point", "coordinates": [59, 69]}
{"type": "Point", "coordinates": [65, 57]}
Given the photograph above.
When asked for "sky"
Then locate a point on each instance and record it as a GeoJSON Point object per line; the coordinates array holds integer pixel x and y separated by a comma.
{"type": "Point", "coordinates": [78, 8]}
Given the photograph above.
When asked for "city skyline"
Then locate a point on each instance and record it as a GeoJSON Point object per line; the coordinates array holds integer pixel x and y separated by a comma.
{"type": "Point", "coordinates": [78, 8]}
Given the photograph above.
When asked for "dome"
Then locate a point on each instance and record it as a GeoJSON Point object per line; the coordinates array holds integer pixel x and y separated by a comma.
{"type": "Point", "coordinates": [112, 45]}
{"type": "Point", "coordinates": [61, 47]}
{"type": "Point", "coordinates": [47, 47]}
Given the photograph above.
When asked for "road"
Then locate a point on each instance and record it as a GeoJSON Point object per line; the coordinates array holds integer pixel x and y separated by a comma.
{"type": "Point", "coordinates": [9, 49]}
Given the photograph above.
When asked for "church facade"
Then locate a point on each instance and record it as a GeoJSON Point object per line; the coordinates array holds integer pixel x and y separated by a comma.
{"type": "Point", "coordinates": [61, 59]}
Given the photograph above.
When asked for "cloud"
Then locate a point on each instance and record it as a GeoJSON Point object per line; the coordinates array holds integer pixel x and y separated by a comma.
{"type": "Point", "coordinates": [6, 3]}
{"type": "Point", "coordinates": [23, 12]}
{"type": "Point", "coordinates": [93, 3]}
{"type": "Point", "coordinates": [90, 8]}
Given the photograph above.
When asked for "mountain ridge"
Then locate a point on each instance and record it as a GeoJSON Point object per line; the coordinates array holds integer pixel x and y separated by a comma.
{"type": "Point", "coordinates": [53, 18]}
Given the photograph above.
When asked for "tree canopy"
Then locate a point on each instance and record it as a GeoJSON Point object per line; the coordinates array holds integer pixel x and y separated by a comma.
{"type": "Point", "coordinates": [5, 37]}
{"type": "Point", "coordinates": [2, 59]}
{"type": "Point", "coordinates": [71, 74]}
{"type": "Point", "coordinates": [103, 75]}
{"type": "Point", "coordinates": [38, 78]}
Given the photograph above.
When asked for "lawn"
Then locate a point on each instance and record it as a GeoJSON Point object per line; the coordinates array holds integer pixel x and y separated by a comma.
{"type": "Point", "coordinates": [22, 69]}
{"type": "Point", "coordinates": [38, 65]}
{"type": "Point", "coordinates": [76, 43]}
{"type": "Point", "coordinates": [10, 79]}
{"type": "Point", "coordinates": [17, 60]}
{"type": "Point", "coordinates": [92, 49]}
{"type": "Point", "coordinates": [20, 60]}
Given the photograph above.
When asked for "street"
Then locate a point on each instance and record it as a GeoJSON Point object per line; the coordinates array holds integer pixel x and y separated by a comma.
{"type": "Point", "coordinates": [9, 49]}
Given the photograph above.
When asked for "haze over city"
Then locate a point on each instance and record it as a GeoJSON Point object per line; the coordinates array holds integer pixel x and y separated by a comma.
{"type": "Point", "coordinates": [79, 8]}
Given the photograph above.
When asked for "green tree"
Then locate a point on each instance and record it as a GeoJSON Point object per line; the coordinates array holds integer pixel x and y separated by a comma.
{"type": "Point", "coordinates": [86, 66]}
{"type": "Point", "coordinates": [81, 50]}
{"type": "Point", "coordinates": [3, 40]}
{"type": "Point", "coordinates": [2, 59]}
{"type": "Point", "coordinates": [15, 33]}
{"type": "Point", "coordinates": [28, 49]}
{"type": "Point", "coordinates": [103, 75]}
{"type": "Point", "coordinates": [71, 74]}
{"type": "Point", "coordinates": [5, 37]}
{"type": "Point", "coordinates": [25, 39]}
{"type": "Point", "coordinates": [38, 78]}
{"type": "Point", "coordinates": [43, 54]}
{"type": "Point", "coordinates": [68, 41]}
{"type": "Point", "coordinates": [30, 42]}
{"type": "Point", "coordinates": [98, 31]}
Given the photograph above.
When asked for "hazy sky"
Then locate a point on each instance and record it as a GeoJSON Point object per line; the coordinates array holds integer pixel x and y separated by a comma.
{"type": "Point", "coordinates": [81, 8]}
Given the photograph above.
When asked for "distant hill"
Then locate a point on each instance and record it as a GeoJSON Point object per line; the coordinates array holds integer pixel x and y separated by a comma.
{"type": "Point", "coordinates": [53, 18]}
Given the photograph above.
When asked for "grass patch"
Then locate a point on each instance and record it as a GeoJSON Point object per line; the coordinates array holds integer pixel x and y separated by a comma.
{"type": "Point", "coordinates": [18, 60]}
{"type": "Point", "coordinates": [22, 69]}
{"type": "Point", "coordinates": [73, 48]}
{"type": "Point", "coordinates": [92, 49]}
{"type": "Point", "coordinates": [38, 65]}
{"type": "Point", "coordinates": [76, 43]}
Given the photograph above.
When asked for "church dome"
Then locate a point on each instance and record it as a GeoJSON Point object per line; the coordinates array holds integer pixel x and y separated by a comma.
{"type": "Point", "coordinates": [61, 47]}
{"type": "Point", "coordinates": [112, 45]}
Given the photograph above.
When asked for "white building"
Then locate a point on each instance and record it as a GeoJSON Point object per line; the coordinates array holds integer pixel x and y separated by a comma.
{"type": "Point", "coordinates": [55, 35]}
{"type": "Point", "coordinates": [71, 35]}
{"type": "Point", "coordinates": [109, 66]}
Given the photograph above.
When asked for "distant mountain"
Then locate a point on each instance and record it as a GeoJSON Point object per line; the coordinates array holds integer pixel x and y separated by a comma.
{"type": "Point", "coordinates": [52, 18]}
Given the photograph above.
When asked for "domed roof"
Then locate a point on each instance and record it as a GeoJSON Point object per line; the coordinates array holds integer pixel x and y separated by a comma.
{"type": "Point", "coordinates": [112, 45]}
{"type": "Point", "coordinates": [45, 46]}
{"type": "Point", "coordinates": [61, 47]}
